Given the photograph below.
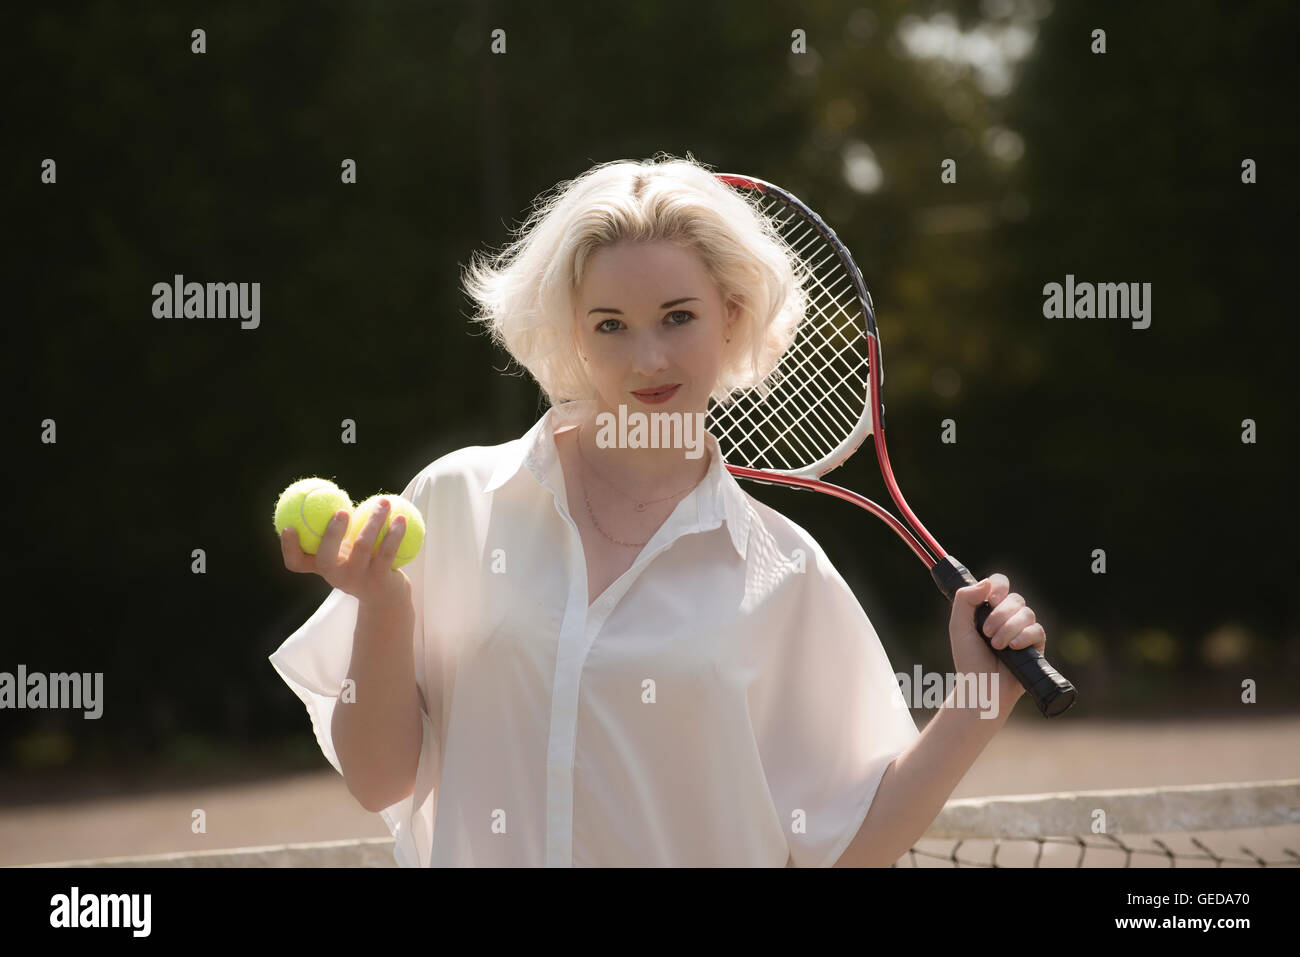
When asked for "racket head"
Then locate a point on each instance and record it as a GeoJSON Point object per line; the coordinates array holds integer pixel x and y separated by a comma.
{"type": "Point", "coordinates": [816, 408]}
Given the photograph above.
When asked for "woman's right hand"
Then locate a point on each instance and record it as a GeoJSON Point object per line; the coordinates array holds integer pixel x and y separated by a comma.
{"type": "Point", "coordinates": [370, 578]}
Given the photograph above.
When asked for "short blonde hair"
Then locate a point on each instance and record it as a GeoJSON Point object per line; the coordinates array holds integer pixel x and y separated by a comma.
{"type": "Point", "coordinates": [524, 293]}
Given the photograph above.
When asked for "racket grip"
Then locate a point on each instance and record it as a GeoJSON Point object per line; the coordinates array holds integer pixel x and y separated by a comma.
{"type": "Point", "coordinates": [1051, 692]}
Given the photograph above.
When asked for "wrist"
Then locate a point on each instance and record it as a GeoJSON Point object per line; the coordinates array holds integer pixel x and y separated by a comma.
{"type": "Point", "coordinates": [983, 696]}
{"type": "Point", "coordinates": [387, 610]}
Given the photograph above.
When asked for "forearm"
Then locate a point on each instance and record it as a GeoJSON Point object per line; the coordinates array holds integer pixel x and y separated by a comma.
{"type": "Point", "coordinates": [378, 735]}
{"type": "Point", "coordinates": [918, 783]}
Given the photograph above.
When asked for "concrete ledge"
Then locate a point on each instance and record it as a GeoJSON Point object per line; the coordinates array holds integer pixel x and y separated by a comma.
{"type": "Point", "coordinates": [364, 852]}
{"type": "Point", "coordinates": [1187, 808]}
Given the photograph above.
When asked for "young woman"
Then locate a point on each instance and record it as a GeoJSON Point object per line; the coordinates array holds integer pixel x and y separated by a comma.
{"type": "Point", "coordinates": [608, 654]}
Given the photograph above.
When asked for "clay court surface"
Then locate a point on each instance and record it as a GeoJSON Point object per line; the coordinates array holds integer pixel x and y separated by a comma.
{"type": "Point", "coordinates": [57, 822]}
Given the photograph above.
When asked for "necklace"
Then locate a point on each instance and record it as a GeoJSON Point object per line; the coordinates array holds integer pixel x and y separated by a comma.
{"type": "Point", "coordinates": [616, 541]}
{"type": "Point", "coordinates": [640, 506]}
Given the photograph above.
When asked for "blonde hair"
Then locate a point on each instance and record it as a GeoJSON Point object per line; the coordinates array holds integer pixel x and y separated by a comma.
{"type": "Point", "coordinates": [524, 293]}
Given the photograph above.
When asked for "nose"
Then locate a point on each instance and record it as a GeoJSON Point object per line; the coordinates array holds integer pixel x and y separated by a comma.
{"type": "Point", "coordinates": [650, 357]}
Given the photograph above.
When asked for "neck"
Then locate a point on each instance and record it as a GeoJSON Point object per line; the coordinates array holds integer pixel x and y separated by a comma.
{"type": "Point", "coordinates": [643, 472]}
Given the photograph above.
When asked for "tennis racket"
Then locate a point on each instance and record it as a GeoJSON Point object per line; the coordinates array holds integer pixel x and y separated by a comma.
{"type": "Point", "coordinates": [823, 400]}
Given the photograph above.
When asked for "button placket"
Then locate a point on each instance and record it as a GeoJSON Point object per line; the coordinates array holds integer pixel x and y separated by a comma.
{"type": "Point", "coordinates": [581, 624]}
{"type": "Point", "coordinates": [569, 652]}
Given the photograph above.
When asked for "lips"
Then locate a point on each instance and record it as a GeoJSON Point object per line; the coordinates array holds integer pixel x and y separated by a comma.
{"type": "Point", "coordinates": [657, 394]}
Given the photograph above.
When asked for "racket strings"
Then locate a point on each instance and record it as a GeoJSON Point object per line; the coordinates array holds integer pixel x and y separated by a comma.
{"type": "Point", "coordinates": [784, 414]}
{"type": "Point", "coordinates": [818, 393]}
{"type": "Point", "coordinates": [816, 380]}
{"type": "Point", "coordinates": [816, 396]}
{"type": "Point", "coordinates": [809, 368]}
{"type": "Point", "coordinates": [814, 361]}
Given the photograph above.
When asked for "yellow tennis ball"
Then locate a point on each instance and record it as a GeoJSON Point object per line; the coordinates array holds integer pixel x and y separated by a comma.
{"type": "Point", "coordinates": [412, 538]}
{"type": "Point", "coordinates": [308, 505]}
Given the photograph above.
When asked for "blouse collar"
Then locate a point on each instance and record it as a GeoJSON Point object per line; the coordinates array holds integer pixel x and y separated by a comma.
{"type": "Point", "coordinates": [718, 497]}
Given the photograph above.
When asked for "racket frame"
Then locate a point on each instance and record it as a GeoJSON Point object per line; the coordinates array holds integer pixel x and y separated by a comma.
{"type": "Point", "coordinates": [1051, 692]}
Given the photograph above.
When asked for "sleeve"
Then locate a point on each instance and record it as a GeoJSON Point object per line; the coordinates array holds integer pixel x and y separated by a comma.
{"type": "Point", "coordinates": [828, 714]}
{"type": "Point", "coordinates": [314, 661]}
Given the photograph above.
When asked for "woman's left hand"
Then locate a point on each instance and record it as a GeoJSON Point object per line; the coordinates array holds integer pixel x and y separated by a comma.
{"type": "Point", "coordinates": [1012, 623]}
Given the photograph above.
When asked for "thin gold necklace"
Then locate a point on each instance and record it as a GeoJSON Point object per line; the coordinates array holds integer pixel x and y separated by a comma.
{"type": "Point", "coordinates": [640, 506]}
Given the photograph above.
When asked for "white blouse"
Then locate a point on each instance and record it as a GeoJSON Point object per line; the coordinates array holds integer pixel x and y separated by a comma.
{"type": "Point", "coordinates": [725, 702]}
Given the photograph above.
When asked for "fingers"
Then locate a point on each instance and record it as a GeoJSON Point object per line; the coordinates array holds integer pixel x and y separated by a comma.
{"type": "Point", "coordinates": [981, 591]}
{"type": "Point", "coordinates": [1011, 623]}
{"type": "Point", "coordinates": [327, 554]}
{"type": "Point", "coordinates": [1033, 636]}
{"type": "Point", "coordinates": [970, 595]}
{"type": "Point", "coordinates": [334, 533]}
{"type": "Point", "coordinates": [364, 547]}
{"type": "Point", "coordinates": [380, 565]}
{"type": "Point", "coordinates": [1004, 607]}
{"type": "Point", "coordinates": [1014, 618]}
{"type": "Point", "coordinates": [365, 557]}
{"type": "Point", "coordinates": [356, 568]}
{"type": "Point", "coordinates": [392, 542]}
{"type": "Point", "coordinates": [1001, 586]}
{"type": "Point", "coordinates": [295, 559]}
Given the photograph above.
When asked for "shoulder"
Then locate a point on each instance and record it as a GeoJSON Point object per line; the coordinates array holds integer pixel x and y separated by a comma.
{"type": "Point", "coordinates": [796, 588]}
{"type": "Point", "coordinates": [776, 534]}
{"type": "Point", "coordinates": [465, 470]}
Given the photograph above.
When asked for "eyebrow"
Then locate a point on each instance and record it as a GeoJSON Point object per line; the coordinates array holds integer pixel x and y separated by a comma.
{"type": "Point", "coordinates": [666, 305]}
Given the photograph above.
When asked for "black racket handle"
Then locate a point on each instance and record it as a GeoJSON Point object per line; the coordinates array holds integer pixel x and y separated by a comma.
{"type": "Point", "coordinates": [1052, 693]}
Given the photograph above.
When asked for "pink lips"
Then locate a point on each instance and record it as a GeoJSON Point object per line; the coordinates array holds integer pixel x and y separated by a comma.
{"type": "Point", "coordinates": [656, 396]}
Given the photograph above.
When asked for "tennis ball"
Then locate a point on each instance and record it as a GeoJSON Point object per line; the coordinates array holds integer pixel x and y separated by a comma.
{"type": "Point", "coordinates": [308, 505]}
{"type": "Point", "coordinates": [413, 537]}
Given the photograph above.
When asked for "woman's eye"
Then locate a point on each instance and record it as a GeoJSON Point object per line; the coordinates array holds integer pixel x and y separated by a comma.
{"type": "Point", "coordinates": [682, 312]}
{"type": "Point", "coordinates": [606, 327]}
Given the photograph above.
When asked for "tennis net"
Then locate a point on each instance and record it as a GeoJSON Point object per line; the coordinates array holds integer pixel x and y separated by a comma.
{"type": "Point", "coordinates": [1252, 824]}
